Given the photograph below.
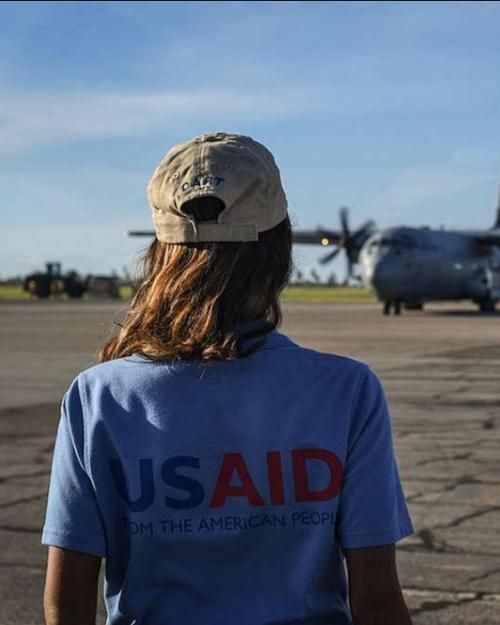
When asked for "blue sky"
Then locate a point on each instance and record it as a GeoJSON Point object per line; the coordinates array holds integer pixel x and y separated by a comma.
{"type": "Point", "coordinates": [390, 108]}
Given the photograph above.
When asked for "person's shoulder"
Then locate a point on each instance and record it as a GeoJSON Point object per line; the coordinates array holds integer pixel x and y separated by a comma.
{"type": "Point", "coordinates": [109, 371]}
{"type": "Point", "coordinates": [321, 359]}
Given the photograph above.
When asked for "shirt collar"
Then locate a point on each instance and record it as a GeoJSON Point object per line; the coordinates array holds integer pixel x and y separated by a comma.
{"type": "Point", "coordinates": [272, 339]}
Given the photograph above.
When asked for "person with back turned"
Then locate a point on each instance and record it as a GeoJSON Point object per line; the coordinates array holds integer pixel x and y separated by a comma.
{"type": "Point", "coordinates": [227, 474]}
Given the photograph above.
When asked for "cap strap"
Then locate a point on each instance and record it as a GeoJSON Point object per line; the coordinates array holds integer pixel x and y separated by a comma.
{"type": "Point", "coordinates": [227, 232]}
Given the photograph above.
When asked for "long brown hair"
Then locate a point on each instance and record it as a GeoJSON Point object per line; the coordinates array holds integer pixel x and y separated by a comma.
{"type": "Point", "coordinates": [191, 295]}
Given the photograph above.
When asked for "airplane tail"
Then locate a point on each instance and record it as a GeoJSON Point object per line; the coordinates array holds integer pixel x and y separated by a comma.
{"type": "Point", "coordinates": [496, 225]}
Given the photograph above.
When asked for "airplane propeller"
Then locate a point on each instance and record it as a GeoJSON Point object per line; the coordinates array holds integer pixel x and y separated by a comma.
{"type": "Point", "coordinates": [329, 257]}
{"type": "Point", "coordinates": [350, 241]}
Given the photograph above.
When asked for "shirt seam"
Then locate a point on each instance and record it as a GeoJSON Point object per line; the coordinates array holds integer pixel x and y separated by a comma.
{"type": "Point", "coordinates": [74, 534]}
{"type": "Point", "coordinates": [269, 347]}
{"type": "Point", "coordinates": [402, 527]}
{"type": "Point", "coordinates": [356, 392]}
{"type": "Point", "coordinates": [78, 541]}
{"type": "Point", "coordinates": [257, 351]}
{"type": "Point", "coordinates": [393, 535]}
{"type": "Point", "coordinates": [86, 460]}
{"type": "Point", "coordinates": [83, 400]}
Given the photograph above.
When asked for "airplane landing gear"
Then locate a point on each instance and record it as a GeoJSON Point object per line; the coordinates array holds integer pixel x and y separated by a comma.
{"type": "Point", "coordinates": [389, 305]}
{"type": "Point", "coordinates": [487, 305]}
{"type": "Point", "coordinates": [414, 305]}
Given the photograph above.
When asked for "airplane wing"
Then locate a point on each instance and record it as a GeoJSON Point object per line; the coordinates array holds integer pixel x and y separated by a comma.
{"type": "Point", "coordinates": [316, 237]}
{"type": "Point", "coordinates": [141, 233]}
{"type": "Point", "coordinates": [304, 237]}
{"type": "Point", "coordinates": [486, 237]}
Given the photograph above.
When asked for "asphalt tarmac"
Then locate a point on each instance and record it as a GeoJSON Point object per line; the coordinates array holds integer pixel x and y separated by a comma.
{"type": "Point", "coordinates": [441, 372]}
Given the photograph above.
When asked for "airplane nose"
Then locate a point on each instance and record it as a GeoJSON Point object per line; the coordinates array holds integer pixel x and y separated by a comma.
{"type": "Point", "coordinates": [381, 278]}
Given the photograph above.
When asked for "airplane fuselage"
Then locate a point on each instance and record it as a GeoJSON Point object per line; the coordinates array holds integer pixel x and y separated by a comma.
{"type": "Point", "coordinates": [415, 265]}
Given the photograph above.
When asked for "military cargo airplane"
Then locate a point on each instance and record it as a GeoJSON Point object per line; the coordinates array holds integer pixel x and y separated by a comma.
{"type": "Point", "coordinates": [410, 266]}
{"type": "Point", "coordinates": [418, 265]}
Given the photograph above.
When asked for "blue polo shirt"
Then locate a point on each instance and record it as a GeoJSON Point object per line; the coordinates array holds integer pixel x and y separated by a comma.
{"type": "Point", "coordinates": [225, 493]}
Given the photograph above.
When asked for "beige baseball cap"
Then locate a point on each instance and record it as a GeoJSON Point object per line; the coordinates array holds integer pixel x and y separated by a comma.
{"type": "Point", "coordinates": [237, 170]}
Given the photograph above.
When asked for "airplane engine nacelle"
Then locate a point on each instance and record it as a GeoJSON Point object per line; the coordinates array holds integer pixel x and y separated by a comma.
{"type": "Point", "coordinates": [481, 283]}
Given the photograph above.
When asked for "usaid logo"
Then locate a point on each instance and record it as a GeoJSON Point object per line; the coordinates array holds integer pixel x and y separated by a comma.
{"type": "Point", "coordinates": [232, 466]}
{"type": "Point", "coordinates": [202, 182]}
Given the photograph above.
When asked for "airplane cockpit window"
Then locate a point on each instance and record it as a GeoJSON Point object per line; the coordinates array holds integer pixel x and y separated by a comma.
{"type": "Point", "coordinates": [406, 240]}
{"type": "Point", "coordinates": [397, 242]}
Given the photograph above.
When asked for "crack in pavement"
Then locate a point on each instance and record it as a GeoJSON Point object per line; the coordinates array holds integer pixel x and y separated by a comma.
{"type": "Point", "coordinates": [441, 480]}
{"type": "Point", "coordinates": [22, 565]}
{"type": "Point", "coordinates": [6, 478]}
{"type": "Point", "coordinates": [459, 594]}
{"type": "Point", "coordinates": [8, 504]}
{"type": "Point", "coordinates": [30, 410]}
{"type": "Point", "coordinates": [19, 528]}
{"type": "Point", "coordinates": [447, 487]}
{"type": "Point", "coordinates": [442, 604]}
{"type": "Point", "coordinates": [22, 435]}
{"type": "Point", "coordinates": [448, 549]}
{"type": "Point", "coordinates": [462, 456]}
{"type": "Point", "coordinates": [466, 517]}
{"type": "Point", "coordinates": [477, 578]}
{"type": "Point", "coordinates": [431, 544]}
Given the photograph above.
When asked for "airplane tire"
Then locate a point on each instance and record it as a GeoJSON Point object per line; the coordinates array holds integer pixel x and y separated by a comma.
{"type": "Point", "coordinates": [487, 305]}
{"type": "Point", "coordinates": [414, 305]}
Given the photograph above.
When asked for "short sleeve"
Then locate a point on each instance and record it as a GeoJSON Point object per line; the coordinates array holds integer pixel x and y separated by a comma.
{"type": "Point", "coordinates": [73, 519]}
{"type": "Point", "coordinates": [372, 507]}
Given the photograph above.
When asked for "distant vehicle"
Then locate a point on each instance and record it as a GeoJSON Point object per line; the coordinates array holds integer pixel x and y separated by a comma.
{"type": "Point", "coordinates": [54, 282]}
{"type": "Point", "coordinates": [410, 266]}
{"type": "Point", "coordinates": [103, 286]}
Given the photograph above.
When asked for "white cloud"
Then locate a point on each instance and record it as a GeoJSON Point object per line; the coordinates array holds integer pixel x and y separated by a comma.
{"type": "Point", "coordinates": [457, 197]}
{"type": "Point", "coordinates": [413, 187]}
{"type": "Point", "coordinates": [37, 118]}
